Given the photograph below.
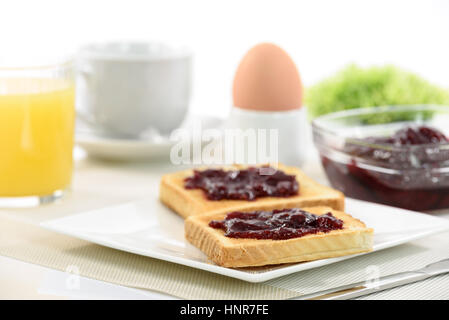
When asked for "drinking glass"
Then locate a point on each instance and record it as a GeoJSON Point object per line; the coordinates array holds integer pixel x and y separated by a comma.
{"type": "Point", "coordinates": [36, 133]}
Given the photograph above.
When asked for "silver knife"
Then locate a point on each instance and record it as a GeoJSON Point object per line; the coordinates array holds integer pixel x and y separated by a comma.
{"type": "Point", "coordinates": [366, 287]}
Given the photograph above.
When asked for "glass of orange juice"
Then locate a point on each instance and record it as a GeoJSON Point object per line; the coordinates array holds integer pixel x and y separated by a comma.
{"type": "Point", "coordinates": [36, 133]}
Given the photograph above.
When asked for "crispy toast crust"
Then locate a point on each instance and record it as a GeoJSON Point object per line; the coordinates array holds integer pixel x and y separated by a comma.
{"type": "Point", "coordinates": [354, 238]}
{"type": "Point", "coordinates": [194, 202]}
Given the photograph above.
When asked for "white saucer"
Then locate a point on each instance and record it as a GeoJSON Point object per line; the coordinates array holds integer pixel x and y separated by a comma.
{"type": "Point", "coordinates": [121, 149]}
{"type": "Point", "coordinates": [101, 146]}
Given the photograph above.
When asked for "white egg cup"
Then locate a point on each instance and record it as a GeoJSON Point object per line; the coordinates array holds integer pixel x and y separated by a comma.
{"type": "Point", "coordinates": [291, 127]}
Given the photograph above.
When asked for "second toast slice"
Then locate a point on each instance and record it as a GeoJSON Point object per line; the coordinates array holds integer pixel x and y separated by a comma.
{"type": "Point", "coordinates": [187, 202]}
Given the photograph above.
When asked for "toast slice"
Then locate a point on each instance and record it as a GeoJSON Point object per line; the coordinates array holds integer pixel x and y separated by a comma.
{"type": "Point", "coordinates": [194, 202]}
{"type": "Point", "coordinates": [354, 238]}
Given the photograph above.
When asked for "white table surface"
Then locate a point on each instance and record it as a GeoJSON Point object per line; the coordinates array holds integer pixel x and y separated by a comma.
{"type": "Point", "coordinates": [116, 183]}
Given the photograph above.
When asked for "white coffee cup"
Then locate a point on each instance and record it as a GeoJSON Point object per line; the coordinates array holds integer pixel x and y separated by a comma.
{"type": "Point", "coordinates": [127, 89]}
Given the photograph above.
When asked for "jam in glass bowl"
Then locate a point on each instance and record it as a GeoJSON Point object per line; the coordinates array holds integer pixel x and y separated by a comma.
{"type": "Point", "coordinates": [396, 155]}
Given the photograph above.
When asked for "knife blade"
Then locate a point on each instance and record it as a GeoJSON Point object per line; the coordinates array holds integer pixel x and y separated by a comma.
{"type": "Point", "coordinates": [387, 282]}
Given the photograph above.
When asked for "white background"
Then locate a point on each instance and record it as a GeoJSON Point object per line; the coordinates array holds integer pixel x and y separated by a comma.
{"type": "Point", "coordinates": [321, 36]}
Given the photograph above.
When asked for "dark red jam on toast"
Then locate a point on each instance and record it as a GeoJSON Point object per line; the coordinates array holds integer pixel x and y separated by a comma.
{"type": "Point", "coordinates": [276, 225]}
{"type": "Point", "coordinates": [248, 184]}
{"type": "Point", "coordinates": [407, 173]}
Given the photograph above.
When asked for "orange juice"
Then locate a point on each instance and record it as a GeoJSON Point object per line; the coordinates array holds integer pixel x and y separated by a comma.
{"type": "Point", "coordinates": [36, 136]}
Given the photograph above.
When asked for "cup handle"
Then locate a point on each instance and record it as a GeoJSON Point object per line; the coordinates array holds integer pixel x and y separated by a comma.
{"type": "Point", "coordinates": [84, 118]}
{"type": "Point", "coordinates": [85, 74]}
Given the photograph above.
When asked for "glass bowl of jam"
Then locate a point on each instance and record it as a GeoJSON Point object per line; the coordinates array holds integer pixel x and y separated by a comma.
{"type": "Point", "coordinates": [396, 155]}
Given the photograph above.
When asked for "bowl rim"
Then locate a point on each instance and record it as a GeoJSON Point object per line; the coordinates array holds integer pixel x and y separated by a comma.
{"type": "Point", "coordinates": [318, 127]}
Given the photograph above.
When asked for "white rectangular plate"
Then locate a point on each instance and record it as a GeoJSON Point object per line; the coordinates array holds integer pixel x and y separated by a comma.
{"type": "Point", "coordinates": [148, 228]}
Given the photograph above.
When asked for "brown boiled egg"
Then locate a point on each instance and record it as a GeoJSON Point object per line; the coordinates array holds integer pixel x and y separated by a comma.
{"type": "Point", "coordinates": [267, 80]}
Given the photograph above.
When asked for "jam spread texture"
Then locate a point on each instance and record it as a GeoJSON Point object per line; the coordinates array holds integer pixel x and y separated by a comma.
{"type": "Point", "coordinates": [276, 225]}
{"type": "Point", "coordinates": [414, 153]}
{"type": "Point", "coordinates": [248, 184]}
